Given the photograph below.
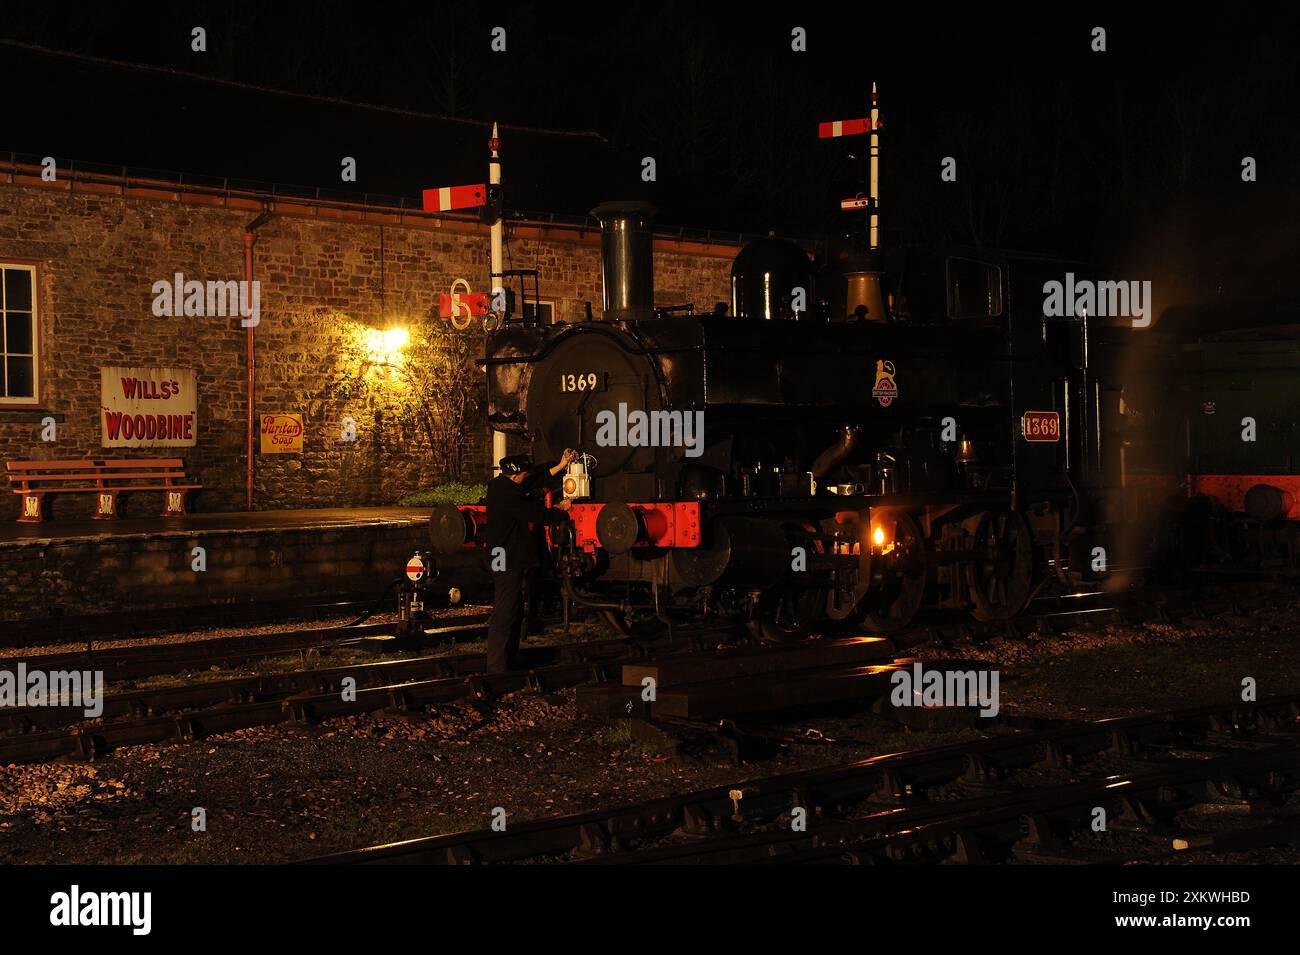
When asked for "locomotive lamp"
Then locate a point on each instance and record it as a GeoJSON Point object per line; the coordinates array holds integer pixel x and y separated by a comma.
{"type": "Point", "coordinates": [880, 540]}
{"type": "Point", "coordinates": [577, 477]}
{"type": "Point", "coordinates": [966, 453]}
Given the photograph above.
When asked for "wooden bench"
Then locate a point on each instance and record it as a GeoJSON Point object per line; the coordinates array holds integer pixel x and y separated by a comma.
{"type": "Point", "coordinates": [105, 478]}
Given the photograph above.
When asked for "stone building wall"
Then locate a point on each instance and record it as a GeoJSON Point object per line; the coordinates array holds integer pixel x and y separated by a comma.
{"type": "Point", "coordinates": [325, 278]}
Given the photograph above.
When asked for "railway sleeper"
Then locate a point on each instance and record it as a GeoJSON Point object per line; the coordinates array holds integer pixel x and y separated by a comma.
{"type": "Point", "coordinates": [697, 820]}
{"type": "Point", "coordinates": [894, 787]}
{"type": "Point", "coordinates": [1140, 816]}
{"type": "Point", "coordinates": [1038, 834]}
{"type": "Point", "coordinates": [593, 840]}
{"type": "Point", "coordinates": [186, 729]}
{"type": "Point", "coordinates": [981, 770]}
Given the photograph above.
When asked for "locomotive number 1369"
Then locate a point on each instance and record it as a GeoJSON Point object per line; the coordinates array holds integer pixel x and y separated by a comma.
{"type": "Point", "coordinates": [585, 382]}
{"type": "Point", "coordinates": [1041, 426]}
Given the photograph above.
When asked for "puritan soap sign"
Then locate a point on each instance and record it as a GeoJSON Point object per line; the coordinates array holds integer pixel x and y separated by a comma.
{"type": "Point", "coordinates": [281, 433]}
{"type": "Point", "coordinates": [148, 407]}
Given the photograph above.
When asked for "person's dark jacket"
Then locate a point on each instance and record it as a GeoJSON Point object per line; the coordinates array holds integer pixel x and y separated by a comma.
{"type": "Point", "coordinates": [510, 509]}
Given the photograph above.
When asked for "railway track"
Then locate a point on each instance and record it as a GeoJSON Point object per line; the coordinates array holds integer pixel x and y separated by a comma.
{"type": "Point", "coordinates": [901, 808]}
{"type": "Point", "coordinates": [139, 623]}
{"type": "Point", "coordinates": [194, 711]}
{"type": "Point", "coordinates": [1048, 613]}
{"type": "Point", "coordinates": [187, 713]}
{"type": "Point", "coordinates": [129, 663]}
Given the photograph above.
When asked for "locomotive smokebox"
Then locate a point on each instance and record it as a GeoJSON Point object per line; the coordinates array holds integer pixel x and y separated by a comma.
{"type": "Point", "coordinates": [627, 259]}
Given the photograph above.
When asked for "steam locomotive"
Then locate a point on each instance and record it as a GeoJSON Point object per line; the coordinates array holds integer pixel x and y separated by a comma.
{"type": "Point", "coordinates": [852, 443]}
{"type": "Point", "coordinates": [1209, 437]}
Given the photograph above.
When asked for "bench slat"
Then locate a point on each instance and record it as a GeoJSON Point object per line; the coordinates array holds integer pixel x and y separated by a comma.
{"type": "Point", "coordinates": [96, 463]}
{"type": "Point", "coordinates": [101, 490]}
{"type": "Point", "coordinates": [133, 476]}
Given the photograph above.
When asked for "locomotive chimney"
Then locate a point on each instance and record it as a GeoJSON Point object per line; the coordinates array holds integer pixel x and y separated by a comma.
{"type": "Point", "coordinates": [627, 260]}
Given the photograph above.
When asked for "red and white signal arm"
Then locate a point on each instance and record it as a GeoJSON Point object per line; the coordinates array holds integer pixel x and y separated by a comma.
{"type": "Point", "coordinates": [1041, 426]}
{"type": "Point", "coordinates": [856, 203]}
{"type": "Point", "coordinates": [415, 568]}
{"type": "Point", "coordinates": [455, 305]}
{"type": "Point", "coordinates": [446, 198]}
{"type": "Point", "coordinates": [843, 127]}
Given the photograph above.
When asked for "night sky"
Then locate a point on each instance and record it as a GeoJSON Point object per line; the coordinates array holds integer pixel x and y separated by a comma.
{"type": "Point", "coordinates": [1130, 158]}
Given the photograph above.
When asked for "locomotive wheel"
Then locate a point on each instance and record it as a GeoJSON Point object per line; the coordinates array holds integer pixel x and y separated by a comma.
{"type": "Point", "coordinates": [1001, 576]}
{"type": "Point", "coordinates": [894, 600]}
{"type": "Point", "coordinates": [788, 615]}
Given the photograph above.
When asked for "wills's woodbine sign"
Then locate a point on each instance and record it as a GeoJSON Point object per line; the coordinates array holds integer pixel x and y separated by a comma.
{"type": "Point", "coordinates": [148, 407]}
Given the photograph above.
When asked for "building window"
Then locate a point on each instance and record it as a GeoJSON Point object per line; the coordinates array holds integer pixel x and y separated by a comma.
{"type": "Point", "coordinates": [19, 341]}
{"type": "Point", "coordinates": [544, 310]}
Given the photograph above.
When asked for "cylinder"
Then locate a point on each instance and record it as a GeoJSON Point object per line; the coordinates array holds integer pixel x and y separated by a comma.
{"type": "Point", "coordinates": [627, 259]}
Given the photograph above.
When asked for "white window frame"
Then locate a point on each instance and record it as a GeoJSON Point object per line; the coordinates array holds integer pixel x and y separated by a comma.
{"type": "Point", "coordinates": [35, 400]}
{"type": "Point", "coordinates": [552, 305]}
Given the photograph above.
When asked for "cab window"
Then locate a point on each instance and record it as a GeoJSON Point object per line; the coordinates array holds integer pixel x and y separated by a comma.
{"type": "Point", "coordinates": [974, 289]}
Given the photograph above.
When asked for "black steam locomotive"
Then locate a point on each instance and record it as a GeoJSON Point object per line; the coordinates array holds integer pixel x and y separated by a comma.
{"type": "Point", "coordinates": [851, 443]}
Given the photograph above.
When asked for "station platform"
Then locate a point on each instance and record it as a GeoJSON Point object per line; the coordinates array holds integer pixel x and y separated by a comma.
{"type": "Point", "coordinates": [57, 568]}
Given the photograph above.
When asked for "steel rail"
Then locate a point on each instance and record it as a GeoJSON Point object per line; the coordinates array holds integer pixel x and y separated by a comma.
{"type": "Point", "coordinates": [986, 828]}
{"type": "Point", "coordinates": [244, 689]}
{"type": "Point", "coordinates": [123, 663]}
{"type": "Point", "coordinates": [133, 623]}
{"type": "Point", "coordinates": [90, 742]}
{"type": "Point", "coordinates": [894, 777]}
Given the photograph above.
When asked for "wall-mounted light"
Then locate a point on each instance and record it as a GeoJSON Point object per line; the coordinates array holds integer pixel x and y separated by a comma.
{"type": "Point", "coordinates": [385, 346]}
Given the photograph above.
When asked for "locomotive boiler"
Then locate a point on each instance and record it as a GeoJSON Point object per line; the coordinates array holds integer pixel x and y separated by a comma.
{"type": "Point", "coordinates": [851, 443]}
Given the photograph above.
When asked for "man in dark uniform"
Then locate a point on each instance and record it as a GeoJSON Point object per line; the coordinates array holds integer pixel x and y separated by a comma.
{"type": "Point", "coordinates": [512, 552]}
